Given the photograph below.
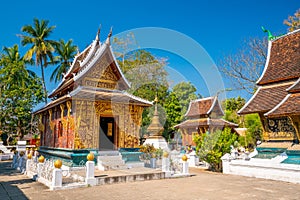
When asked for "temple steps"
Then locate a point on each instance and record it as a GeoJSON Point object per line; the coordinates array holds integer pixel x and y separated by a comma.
{"type": "Point", "coordinates": [110, 160]}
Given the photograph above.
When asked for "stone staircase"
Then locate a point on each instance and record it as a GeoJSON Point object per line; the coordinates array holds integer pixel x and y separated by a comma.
{"type": "Point", "coordinates": [110, 160]}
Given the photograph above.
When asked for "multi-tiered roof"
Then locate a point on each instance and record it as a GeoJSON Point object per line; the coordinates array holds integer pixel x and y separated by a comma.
{"type": "Point", "coordinates": [278, 88]}
{"type": "Point", "coordinates": [205, 112]}
{"type": "Point", "coordinates": [94, 74]}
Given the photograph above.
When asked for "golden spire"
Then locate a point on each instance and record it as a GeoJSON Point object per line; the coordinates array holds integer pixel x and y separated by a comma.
{"type": "Point", "coordinates": [155, 128]}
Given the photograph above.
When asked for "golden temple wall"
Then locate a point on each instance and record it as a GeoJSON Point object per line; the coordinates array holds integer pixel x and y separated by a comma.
{"type": "Point", "coordinates": [127, 118]}
{"type": "Point", "coordinates": [278, 129]}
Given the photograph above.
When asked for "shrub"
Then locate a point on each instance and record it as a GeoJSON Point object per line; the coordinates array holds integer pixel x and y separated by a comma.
{"type": "Point", "coordinates": [210, 147]}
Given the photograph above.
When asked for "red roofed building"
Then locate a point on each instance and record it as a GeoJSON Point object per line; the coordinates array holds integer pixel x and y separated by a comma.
{"type": "Point", "coordinates": [90, 108]}
{"type": "Point", "coordinates": [277, 99]}
{"type": "Point", "coordinates": [203, 115]}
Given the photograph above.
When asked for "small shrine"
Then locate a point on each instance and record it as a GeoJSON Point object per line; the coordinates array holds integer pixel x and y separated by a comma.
{"type": "Point", "coordinates": [203, 115]}
{"type": "Point", "coordinates": [90, 108]}
{"type": "Point", "coordinates": [277, 98]}
{"type": "Point", "coordinates": [155, 130]}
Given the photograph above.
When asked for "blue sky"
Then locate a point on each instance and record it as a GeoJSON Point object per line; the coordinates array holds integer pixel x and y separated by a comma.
{"type": "Point", "coordinates": [218, 26]}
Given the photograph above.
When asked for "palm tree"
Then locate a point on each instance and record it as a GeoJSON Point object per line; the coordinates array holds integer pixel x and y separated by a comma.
{"type": "Point", "coordinates": [41, 47]}
{"type": "Point", "coordinates": [65, 54]}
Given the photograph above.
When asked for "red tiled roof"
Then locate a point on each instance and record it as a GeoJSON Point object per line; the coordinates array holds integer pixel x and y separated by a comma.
{"type": "Point", "coordinates": [290, 105]}
{"type": "Point", "coordinates": [284, 59]}
{"type": "Point", "coordinates": [204, 107]}
{"type": "Point", "coordinates": [205, 122]}
{"type": "Point", "coordinates": [295, 87]}
{"type": "Point", "coordinates": [265, 98]}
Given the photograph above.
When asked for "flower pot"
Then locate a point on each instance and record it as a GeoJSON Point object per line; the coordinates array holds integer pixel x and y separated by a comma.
{"type": "Point", "coordinates": [153, 163]}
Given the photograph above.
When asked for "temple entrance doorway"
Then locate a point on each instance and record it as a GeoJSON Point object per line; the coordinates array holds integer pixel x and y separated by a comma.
{"type": "Point", "coordinates": [107, 133]}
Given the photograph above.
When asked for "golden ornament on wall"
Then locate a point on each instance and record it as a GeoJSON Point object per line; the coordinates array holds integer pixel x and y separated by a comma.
{"type": "Point", "coordinates": [41, 159]}
{"type": "Point", "coordinates": [90, 157]}
{"type": "Point", "coordinates": [58, 164]}
{"type": "Point", "coordinates": [29, 156]}
{"type": "Point", "coordinates": [184, 158]}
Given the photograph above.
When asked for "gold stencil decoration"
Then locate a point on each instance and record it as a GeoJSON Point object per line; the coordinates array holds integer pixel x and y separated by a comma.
{"type": "Point", "coordinates": [109, 129]}
{"type": "Point", "coordinates": [51, 123]}
{"type": "Point", "coordinates": [102, 107]}
{"type": "Point", "coordinates": [69, 105]}
{"type": "Point", "coordinates": [41, 126]}
{"type": "Point", "coordinates": [131, 141]}
{"type": "Point", "coordinates": [78, 144]}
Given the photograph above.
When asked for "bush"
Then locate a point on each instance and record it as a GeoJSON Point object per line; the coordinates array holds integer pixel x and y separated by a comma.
{"type": "Point", "coordinates": [210, 147]}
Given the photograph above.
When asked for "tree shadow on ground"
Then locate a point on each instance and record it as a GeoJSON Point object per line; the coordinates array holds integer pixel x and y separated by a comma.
{"type": "Point", "coordinates": [10, 188]}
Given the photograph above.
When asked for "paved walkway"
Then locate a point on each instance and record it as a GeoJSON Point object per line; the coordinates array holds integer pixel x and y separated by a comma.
{"type": "Point", "coordinates": [203, 185]}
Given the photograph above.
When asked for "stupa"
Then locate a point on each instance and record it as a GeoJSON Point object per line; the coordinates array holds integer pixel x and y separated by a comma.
{"type": "Point", "coordinates": [155, 129]}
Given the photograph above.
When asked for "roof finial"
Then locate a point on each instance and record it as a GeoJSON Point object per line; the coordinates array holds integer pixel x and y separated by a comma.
{"type": "Point", "coordinates": [110, 32]}
{"type": "Point", "coordinates": [109, 35]}
{"type": "Point", "coordinates": [98, 33]}
{"type": "Point", "coordinates": [270, 36]}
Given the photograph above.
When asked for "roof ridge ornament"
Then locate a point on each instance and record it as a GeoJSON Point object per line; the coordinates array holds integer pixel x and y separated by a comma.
{"type": "Point", "coordinates": [270, 36]}
{"type": "Point", "coordinates": [98, 32]}
{"type": "Point", "coordinates": [109, 35]}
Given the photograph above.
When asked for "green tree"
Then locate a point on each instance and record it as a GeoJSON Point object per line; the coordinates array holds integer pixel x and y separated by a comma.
{"type": "Point", "coordinates": [185, 92]}
{"type": "Point", "coordinates": [148, 79]}
{"type": "Point", "coordinates": [173, 114]}
{"type": "Point", "coordinates": [20, 91]}
{"type": "Point", "coordinates": [66, 52]}
{"type": "Point", "coordinates": [212, 146]}
{"type": "Point", "coordinates": [232, 106]}
{"type": "Point", "coordinates": [254, 130]}
{"type": "Point", "coordinates": [37, 36]}
{"type": "Point", "coordinates": [293, 22]}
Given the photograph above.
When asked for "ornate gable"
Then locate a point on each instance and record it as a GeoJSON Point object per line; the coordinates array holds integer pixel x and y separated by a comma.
{"type": "Point", "coordinates": [95, 67]}
{"type": "Point", "coordinates": [204, 107]}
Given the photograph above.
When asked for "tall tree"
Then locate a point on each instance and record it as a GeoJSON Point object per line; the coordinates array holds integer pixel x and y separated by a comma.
{"type": "Point", "coordinates": [65, 53]}
{"type": "Point", "coordinates": [293, 22]}
{"type": "Point", "coordinates": [232, 106]}
{"type": "Point", "coordinates": [244, 67]}
{"type": "Point", "coordinates": [173, 114]}
{"type": "Point", "coordinates": [20, 91]}
{"type": "Point", "coordinates": [147, 76]}
{"type": "Point", "coordinates": [42, 48]}
{"type": "Point", "coordinates": [185, 92]}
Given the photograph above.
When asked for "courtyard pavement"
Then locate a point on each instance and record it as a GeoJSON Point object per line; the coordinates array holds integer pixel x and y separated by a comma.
{"type": "Point", "coordinates": [202, 185]}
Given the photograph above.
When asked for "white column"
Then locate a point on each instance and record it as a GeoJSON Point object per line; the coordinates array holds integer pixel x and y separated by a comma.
{"type": "Point", "coordinates": [56, 179]}
{"type": "Point", "coordinates": [27, 165]}
{"type": "Point", "coordinates": [21, 164]}
{"type": "Point", "coordinates": [226, 163]}
{"type": "Point", "coordinates": [90, 171]}
{"type": "Point", "coordinates": [192, 159]}
{"type": "Point", "coordinates": [185, 167]}
{"type": "Point", "coordinates": [15, 161]}
{"type": "Point", "coordinates": [39, 169]}
{"type": "Point", "coordinates": [165, 164]}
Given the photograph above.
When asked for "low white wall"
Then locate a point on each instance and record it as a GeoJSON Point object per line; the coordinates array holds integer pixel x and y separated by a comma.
{"type": "Point", "coordinates": [262, 168]}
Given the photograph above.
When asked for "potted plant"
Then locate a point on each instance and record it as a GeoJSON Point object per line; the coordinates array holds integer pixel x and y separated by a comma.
{"type": "Point", "coordinates": [149, 155]}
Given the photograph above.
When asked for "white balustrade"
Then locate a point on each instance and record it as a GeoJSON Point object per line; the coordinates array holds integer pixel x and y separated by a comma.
{"type": "Point", "coordinates": [90, 171]}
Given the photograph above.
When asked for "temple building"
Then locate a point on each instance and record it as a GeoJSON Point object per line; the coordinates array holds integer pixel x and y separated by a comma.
{"type": "Point", "coordinates": [203, 115]}
{"type": "Point", "coordinates": [90, 108]}
{"type": "Point", "coordinates": [277, 99]}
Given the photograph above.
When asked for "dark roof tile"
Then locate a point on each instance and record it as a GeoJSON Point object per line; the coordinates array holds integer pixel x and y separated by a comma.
{"type": "Point", "coordinates": [265, 99]}
{"type": "Point", "coordinates": [284, 59]}
{"type": "Point", "coordinates": [288, 106]}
